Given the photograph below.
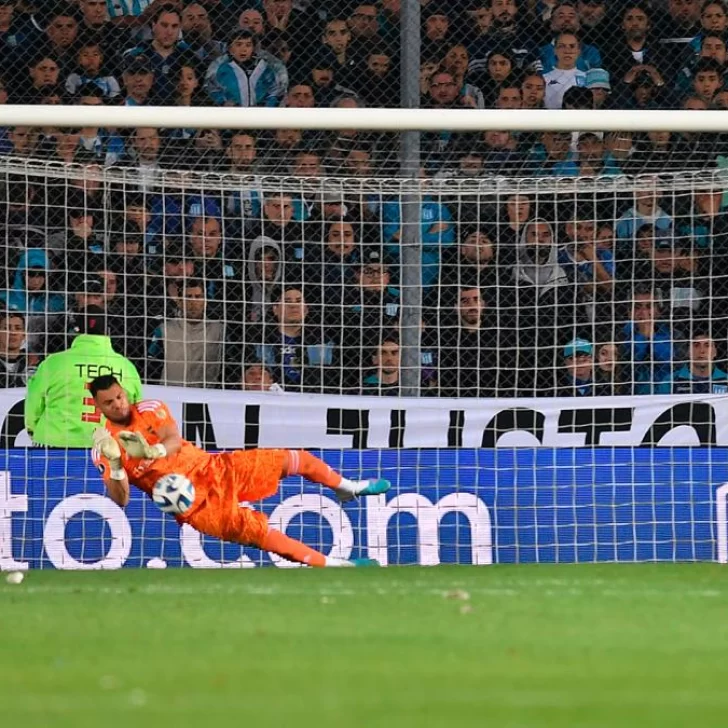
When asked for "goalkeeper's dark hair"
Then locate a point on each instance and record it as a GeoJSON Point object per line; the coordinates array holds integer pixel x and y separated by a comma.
{"type": "Point", "coordinates": [105, 381]}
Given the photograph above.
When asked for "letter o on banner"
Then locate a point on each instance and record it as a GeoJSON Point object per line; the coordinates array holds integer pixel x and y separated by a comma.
{"type": "Point", "coordinates": [54, 533]}
{"type": "Point", "coordinates": [330, 511]}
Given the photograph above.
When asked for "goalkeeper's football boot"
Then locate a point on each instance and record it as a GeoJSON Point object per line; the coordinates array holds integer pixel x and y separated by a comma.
{"type": "Point", "coordinates": [364, 562]}
{"type": "Point", "coordinates": [358, 488]}
{"type": "Point", "coordinates": [375, 487]}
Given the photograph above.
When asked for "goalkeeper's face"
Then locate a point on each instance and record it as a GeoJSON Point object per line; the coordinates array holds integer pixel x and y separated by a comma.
{"type": "Point", "coordinates": [114, 404]}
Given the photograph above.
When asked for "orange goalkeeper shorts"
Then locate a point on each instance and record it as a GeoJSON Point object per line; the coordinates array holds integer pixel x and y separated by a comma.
{"type": "Point", "coordinates": [234, 477]}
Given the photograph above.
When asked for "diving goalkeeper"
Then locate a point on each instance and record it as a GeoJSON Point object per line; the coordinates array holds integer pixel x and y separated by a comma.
{"type": "Point", "coordinates": [141, 444]}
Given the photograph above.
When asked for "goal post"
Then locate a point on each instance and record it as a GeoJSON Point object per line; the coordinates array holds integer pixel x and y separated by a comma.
{"type": "Point", "coordinates": [571, 335]}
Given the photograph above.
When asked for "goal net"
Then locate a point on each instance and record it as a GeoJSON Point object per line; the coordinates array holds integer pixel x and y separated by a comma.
{"type": "Point", "coordinates": [570, 336]}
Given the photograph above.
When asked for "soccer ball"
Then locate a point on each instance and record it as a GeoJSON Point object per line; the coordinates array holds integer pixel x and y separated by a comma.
{"type": "Point", "coordinates": [173, 494]}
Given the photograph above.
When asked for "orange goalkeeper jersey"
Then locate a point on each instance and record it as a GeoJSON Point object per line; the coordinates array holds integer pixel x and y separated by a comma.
{"type": "Point", "coordinates": [148, 417]}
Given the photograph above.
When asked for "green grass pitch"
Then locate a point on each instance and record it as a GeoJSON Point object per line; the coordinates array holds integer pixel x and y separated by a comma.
{"type": "Point", "coordinates": [526, 646]}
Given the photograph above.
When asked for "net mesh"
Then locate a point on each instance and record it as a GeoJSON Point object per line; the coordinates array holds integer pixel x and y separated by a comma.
{"type": "Point", "coordinates": [299, 281]}
{"type": "Point", "coordinates": [538, 293]}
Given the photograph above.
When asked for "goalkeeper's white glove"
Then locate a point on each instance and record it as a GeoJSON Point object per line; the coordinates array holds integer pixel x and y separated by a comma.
{"type": "Point", "coordinates": [136, 446]}
{"type": "Point", "coordinates": [106, 445]}
{"type": "Point", "coordinates": [109, 448]}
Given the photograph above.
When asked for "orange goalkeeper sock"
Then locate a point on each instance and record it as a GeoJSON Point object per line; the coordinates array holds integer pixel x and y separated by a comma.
{"type": "Point", "coordinates": [291, 549]}
{"type": "Point", "coordinates": [312, 468]}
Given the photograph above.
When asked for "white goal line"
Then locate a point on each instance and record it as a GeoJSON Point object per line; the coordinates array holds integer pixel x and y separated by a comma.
{"type": "Point", "coordinates": [369, 119]}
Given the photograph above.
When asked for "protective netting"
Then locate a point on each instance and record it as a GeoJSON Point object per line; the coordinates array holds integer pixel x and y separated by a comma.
{"type": "Point", "coordinates": [475, 54]}
{"type": "Point", "coordinates": [529, 287]}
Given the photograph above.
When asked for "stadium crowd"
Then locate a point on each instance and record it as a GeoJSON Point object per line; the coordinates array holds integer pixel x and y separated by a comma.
{"type": "Point", "coordinates": [284, 286]}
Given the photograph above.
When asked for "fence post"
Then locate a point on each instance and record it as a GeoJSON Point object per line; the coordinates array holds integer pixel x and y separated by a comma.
{"type": "Point", "coordinates": [410, 242]}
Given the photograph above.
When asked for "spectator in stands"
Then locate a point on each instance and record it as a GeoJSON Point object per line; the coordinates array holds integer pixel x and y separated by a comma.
{"type": "Point", "coordinates": [300, 96]}
{"type": "Point", "coordinates": [165, 52]}
{"type": "Point", "coordinates": [257, 378]}
{"type": "Point", "coordinates": [643, 88]}
{"type": "Point", "coordinates": [565, 19]}
{"type": "Point", "coordinates": [340, 260]}
{"type": "Point", "coordinates": [437, 232]}
{"type": "Point", "coordinates": [61, 33]}
{"type": "Point", "coordinates": [252, 20]}
{"type": "Point", "coordinates": [510, 218]}
{"type": "Point", "coordinates": [509, 97]}
{"type": "Point", "coordinates": [14, 365]}
{"type": "Point", "coordinates": [637, 46]}
{"type": "Point", "coordinates": [703, 221]}
{"type": "Point", "coordinates": [597, 81]}
{"type": "Point", "coordinates": [300, 356]}
{"type": "Point", "coordinates": [586, 265]}
{"type": "Point", "coordinates": [543, 309]}
{"type": "Point", "coordinates": [188, 91]}
{"type": "Point", "coordinates": [384, 378]}
{"type": "Point", "coordinates": [187, 350]}
{"type": "Point", "coordinates": [647, 346]}
{"type": "Point", "coordinates": [473, 262]}
{"type": "Point", "coordinates": [22, 141]}
{"type": "Point", "coordinates": [363, 25]}
{"type": "Point", "coordinates": [511, 32]}
{"type": "Point", "coordinates": [500, 69]}
{"type": "Point", "coordinates": [673, 271]}
{"type": "Point", "coordinates": [455, 62]}
{"type": "Point", "coordinates": [471, 348]}
{"type": "Point", "coordinates": [138, 80]}
{"type": "Point", "coordinates": [43, 70]}
{"type": "Point", "coordinates": [95, 22]}
{"type": "Point", "coordinates": [277, 149]}
{"type": "Point", "coordinates": [444, 93]}
{"type": "Point", "coordinates": [372, 302]}
{"type": "Point", "coordinates": [595, 21]}
{"type": "Point", "coordinates": [577, 373]}
{"type": "Point", "coordinates": [163, 289]}
{"type": "Point", "coordinates": [30, 292]}
{"type": "Point", "coordinates": [700, 375]}
{"type": "Point", "coordinates": [241, 153]}
{"type": "Point", "coordinates": [533, 91]}
{"type": "Point", "coordinates": [197, 32]}
{"type": "Point", "coordinates": [88, 290]}
{"type": "Point", "coordinates": [678, 26]}
{"type": "Point", "coordinates": [336, 37]}
{"type": "Point", "coordinates": [277, 222]}
{"type": "Point", "coordinates": [219, 267]}
{"type": "Point", "coordinates": [645, 211]}
{"type": "Point", "coordinates": [263, 278]}
{"type": "Point", "coordinates": [89, 62]}
{"type": "Point", "coordinates": [707, 79]}
{"type": "Point", "coordinates": [565, 73]}
{"type": "Point", "coordinates": [243, 78]}
{"type": "Point", "coordinates": [591, 159]}
{"type": "Point", "coordinates": [654, 153]}
{"type": "Point", "coordinates": [609, 370]}
{"type": "Point", "coordinates": [436, 27]}
{"type": "Point", "coordinates": [545, 155]}
{"type": "Point", "coordinates": [127, 256]}
{"type": "Point", "coordinates": [73, 247]}
{"type": "Point", "coordinates": [145, 154]}
{"type": "Point", "coordinates": [620, 145]}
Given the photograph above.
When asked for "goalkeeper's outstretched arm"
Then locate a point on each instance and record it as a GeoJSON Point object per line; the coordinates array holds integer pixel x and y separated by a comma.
{"type": "Point", "coordinates": [118, 489]}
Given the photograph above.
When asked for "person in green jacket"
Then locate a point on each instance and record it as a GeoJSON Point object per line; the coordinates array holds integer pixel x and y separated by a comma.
{"type": "Point", "coordinates": [59, 410]}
